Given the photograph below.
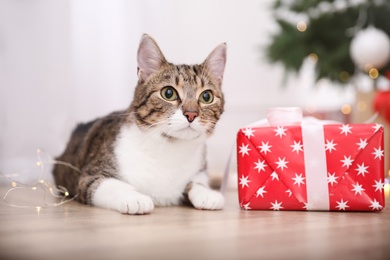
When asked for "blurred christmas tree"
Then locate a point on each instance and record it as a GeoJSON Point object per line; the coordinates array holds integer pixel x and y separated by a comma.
{"type": "Point", "coordinates": [322, 30]}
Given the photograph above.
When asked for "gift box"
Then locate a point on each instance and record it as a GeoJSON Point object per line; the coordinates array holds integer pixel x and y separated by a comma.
{"type": "Point", "coordinates": [292, 163]}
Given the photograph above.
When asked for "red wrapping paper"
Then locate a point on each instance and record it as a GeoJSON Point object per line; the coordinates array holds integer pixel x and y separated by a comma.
{"type": "Point", "coordinates": [272, 169]}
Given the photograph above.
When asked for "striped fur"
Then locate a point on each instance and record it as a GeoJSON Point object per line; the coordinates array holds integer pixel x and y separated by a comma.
{"type": "Point", "coordinates": [98, 148]}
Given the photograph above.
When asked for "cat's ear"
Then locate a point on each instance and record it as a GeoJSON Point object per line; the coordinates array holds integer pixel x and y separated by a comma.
{"type": "Point", "coordinates": [215, 63]}
{"type": "Point", "coordinates": [149, 58]}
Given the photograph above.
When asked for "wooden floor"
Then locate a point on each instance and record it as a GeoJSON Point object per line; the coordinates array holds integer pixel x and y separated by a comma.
{"type": "Point", "coordinates": [74, 231]}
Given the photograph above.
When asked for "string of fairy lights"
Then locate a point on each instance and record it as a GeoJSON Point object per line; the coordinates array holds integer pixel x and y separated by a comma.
{"type": "Point", "coordinates": [52, 196]}
{"type": "Point", "coordinates": [56, 196]}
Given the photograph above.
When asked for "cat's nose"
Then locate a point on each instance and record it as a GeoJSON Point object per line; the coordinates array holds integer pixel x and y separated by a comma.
{"type": "Point", "coordinates": [190, 116]}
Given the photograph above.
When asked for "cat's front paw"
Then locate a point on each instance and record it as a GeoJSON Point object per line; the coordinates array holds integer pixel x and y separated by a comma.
{"type": "Point", "coordinates": [204, 198]}
{"type": "Point", "coordinates": [120, 196]}
{"type": "Point", "coordinates": [136, 204]}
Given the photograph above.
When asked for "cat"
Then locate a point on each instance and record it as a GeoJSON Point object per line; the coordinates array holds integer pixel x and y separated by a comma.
{"type": "Point", "coordinates": [153, 153]}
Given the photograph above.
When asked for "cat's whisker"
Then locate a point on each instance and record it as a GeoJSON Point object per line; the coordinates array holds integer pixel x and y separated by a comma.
{"type": "Point", "coordinates": [156, 139]}
{"type": "Point", "coordinates": [157, 123]}
{"type": "Point", "coordinates": [154, 134]}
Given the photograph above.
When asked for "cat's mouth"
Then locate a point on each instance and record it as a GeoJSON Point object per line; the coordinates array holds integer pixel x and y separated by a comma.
{"type": "Point", "coordinates": [184, 133]}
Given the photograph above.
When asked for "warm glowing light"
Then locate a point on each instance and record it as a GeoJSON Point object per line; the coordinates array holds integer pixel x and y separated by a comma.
{"type": "Point", "coordinates": [313, 57]}
{"type": "Point", "coordinates": [362, 106]}
{"type": "Point", "coordinates": [344, 76]}
{"type": "Point", "coordinates": [387, 189]}
{"type": "Point", "coordinates": [346, 109]}
{"type": "Point", "coordinates": [387, 185]}
{"type": "Point", "coordinates": [311, 108]}
{"type": "Point", "coordinates": [46, 185]}
{"type": "Point", "coordinates": [373, 73]}
{"type": "Point", "coordinates": [301, 26]}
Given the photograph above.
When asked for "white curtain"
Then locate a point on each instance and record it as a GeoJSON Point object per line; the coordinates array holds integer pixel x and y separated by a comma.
{"type": "Point", "coordinates": [63, 62]}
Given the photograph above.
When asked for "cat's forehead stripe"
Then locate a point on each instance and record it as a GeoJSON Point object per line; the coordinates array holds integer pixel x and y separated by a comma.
{"type": "Point", "coordinates": [192, 74]}
{"type": "Point", "coordinates": [177, 80]}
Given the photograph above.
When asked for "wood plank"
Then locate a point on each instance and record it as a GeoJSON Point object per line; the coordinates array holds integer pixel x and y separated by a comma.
{"type": "Point", "coordinates": [75, 231]}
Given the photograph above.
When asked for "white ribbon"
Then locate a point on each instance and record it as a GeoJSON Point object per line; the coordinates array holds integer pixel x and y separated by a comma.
{"type": "Point", "coordinates": [315, 166]}
{"type": "Point", "coordinates": [314, 153]}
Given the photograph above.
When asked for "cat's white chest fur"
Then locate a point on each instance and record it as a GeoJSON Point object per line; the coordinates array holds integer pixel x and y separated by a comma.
{"type": "Point", "coordinates": [156, 166]}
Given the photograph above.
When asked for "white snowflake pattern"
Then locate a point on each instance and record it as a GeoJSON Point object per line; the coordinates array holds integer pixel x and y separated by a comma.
{"type": "Point", "coordinates": [379, 153]}
{"type": "Point", "coordinates": [280, 131]}
{"type": "Point", "coordinates": [362, 144]}
{"type": "Point", "coordinates": [307, 205]}
{"type": "Point", "coordinates": [244, 149]}
{"type": "Point", "coordinates": [289, 192]}
{"type": "Point", "coordinates": [260, 192]}
{"type": "Point", "coordinates": [342, 205]}
{"type": "Point", "coordinates": [246, 206]}
{"type": "Point", "coordinates": [329, 146]}
{"type": "Point", "coordinates": [276, 206]}
{"type": "Point", "coordinates": [377, 127]}
{"type": "Point", "coordinates": [298, 179]}
{"type": "Point", "coordinates": [297, 147]}
{"type": "Point", "coordinates": [265, 147]}
{"type": "Point", "coordinates": [274, 176]}
{"type": "Point", "coordinates": [357, 188]}
{"type": "Point", "coordinates": [347, 161]}
{"type": "Point", "coordinates": [244, 181]}
{"type": "Point", "coordinates": [375, 205]}
{"type": "Point", "coordinates": [260, 165]}
{"type": "Point", "coordinates": [345, 129]}
{"type": "Point", "coordinates": [379, 185]}
{"type": "Point", "coordinates": [282, 163]}
{"type": "Point", "coordinates": [332, 179]}
{"type": "Point", "coordinates": [248, 132]}
{"type": "Point", "coordinates": [361, 169]}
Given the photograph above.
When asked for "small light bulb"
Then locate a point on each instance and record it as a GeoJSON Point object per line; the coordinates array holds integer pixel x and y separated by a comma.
{"type": "Point", "coordinates": [313, 57]}
{"type": "Point", "coordinates": [311, 108]}
{"type": "Point", "coordinates": [301, 26]}
{"type": "Point", "coordinates": [344, 76]}
{"type": "Point", "coordinates": [34, 188]}
{"type": "Point", "coordinates": [386, 189]}
{"type": "Point", "coordinates": [362, 106]}
{"type": "Point", "coordinates": [38, 163]}
{"type": "Point", "coordinates": [346, 109]}
{"type": "Point", "coordinates": [373, 73]}
{"type": "Point", "coordinates": [66, 194]}
{"type": "Point", "coordinates": [13, 184]}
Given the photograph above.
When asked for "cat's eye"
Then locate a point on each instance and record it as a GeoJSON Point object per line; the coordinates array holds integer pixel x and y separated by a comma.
{"type": "Point", "coordinates": [206, 97]}
{"type": "Point", "coordinates": [169, 93]}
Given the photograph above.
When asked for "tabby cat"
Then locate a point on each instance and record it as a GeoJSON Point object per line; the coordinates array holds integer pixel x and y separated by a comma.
{"type": "Point", "coordinates": [153, 153]}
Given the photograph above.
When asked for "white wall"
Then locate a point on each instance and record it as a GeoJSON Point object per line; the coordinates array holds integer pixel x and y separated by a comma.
{"type": "Point", "coordinates": [62, 62]}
